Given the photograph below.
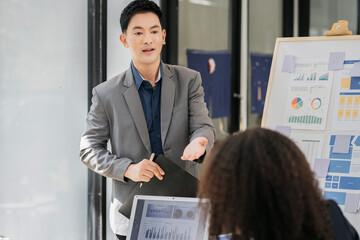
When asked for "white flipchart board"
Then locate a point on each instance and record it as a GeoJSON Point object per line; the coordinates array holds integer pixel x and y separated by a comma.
{"type": "Point", "coordinates": [320, 108]}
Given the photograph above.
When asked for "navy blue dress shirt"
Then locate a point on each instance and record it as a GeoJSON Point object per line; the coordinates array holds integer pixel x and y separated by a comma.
{"type": "Point", "coordinates": [150, 99]}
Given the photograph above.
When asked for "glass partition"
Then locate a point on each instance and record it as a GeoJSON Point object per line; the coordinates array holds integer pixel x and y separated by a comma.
{"type": "Point", "coordinates": [323, 13]}
{"type": "Point", "coordinates": [43, 105]}
{"type": "Point", "coordinates": [265, 25]}
{"type": "Point", "coordinates": [204, 25]}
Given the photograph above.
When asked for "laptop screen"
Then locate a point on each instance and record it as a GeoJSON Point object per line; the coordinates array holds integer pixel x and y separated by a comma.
{"type": "Point", "coordinates": [154, 217]}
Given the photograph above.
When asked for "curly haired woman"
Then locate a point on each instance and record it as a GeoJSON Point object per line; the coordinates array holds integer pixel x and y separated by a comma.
{"type": "Point", "coordinates": [260, 186]}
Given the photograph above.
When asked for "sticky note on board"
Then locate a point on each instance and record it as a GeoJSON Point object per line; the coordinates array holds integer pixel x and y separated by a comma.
{"type": "Point", "coordinates": [352, 202]}
{"type": "Point", "coordinates": [321, 166]}
{"type": "Point", "coordinates": [355, 71]}
{"type": "Point", "coordinates": [336, 60]}
{"type": "Point", "coordinates": [288, 64]}
{"type": "Point", "coordinates": [345, 83]}
{"type": "Point", "coordinates": [284, 130]}
{"type": "Point", "coordinates": [342, 144]}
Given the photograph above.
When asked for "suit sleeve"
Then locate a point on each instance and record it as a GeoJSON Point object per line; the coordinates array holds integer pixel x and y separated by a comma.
{"type": "Point", "coordinates": [200, 124]}
{"type": "Point", "coordinates": [93, 144]}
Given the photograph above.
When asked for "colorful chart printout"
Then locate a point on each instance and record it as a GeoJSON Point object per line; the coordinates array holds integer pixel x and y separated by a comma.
{"type": "Point", "coordinates": [347, 99]}
{"type": "Point", "coordinates": [343, 175]}
{"type": "Point", "coordinates": [316, 103]}
{"type": "Point", "coordinates": [309, 95]}
{"type": "Point", "coordinates": [297, 103]}
{"type": "Point", "coordinates": [181, 222]}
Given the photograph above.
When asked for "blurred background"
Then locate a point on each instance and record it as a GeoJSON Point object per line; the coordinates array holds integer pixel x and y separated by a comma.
{"type": "Point", "coordinates": [53, 52]}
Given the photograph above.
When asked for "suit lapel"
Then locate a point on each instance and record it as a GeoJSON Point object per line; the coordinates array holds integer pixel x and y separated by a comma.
{"type": "Point", "coordinates": [132, 99]}
{"type": "Point", "coordinates": [167, 100]}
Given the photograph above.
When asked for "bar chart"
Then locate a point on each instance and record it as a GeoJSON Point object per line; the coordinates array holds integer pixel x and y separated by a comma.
{"type": "Point", "coordinates": [167, 232]}
{"type": "Point", "coordinates": [311, 77]}
{"type": "Point", "coordinates": [306, 119]}
{"type": "Point", "coordinates": [299, 77]}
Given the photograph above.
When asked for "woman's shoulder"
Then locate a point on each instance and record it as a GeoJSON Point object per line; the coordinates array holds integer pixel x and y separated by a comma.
{"type": "Point", "coordinates": [341, 227]}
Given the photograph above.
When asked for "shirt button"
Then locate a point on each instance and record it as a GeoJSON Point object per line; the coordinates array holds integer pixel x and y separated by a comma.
{"type": "Point", "coordinates": [158, 135]}
{"type": "Point", "coordinates": [155, 116]}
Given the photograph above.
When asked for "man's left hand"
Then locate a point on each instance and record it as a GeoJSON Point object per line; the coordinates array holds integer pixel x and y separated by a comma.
{"type": "Point", "coordinates": [195, 149]}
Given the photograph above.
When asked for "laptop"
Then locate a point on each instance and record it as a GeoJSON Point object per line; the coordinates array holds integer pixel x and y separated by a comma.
{"type": "Point", "coordinates": [157, 217]}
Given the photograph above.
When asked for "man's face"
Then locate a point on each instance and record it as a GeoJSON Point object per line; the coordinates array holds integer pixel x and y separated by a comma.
{"type": "Point", "coordinates": [145, 38]}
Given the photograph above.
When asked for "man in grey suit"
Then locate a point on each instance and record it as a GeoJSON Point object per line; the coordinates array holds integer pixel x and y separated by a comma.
{"type": "Point", "coordinates": [152, 107]}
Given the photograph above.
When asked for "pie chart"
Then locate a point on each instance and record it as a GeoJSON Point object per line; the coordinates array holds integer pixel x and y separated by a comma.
{"type": "Point", "coordinates": [297, 103]}
{"type": "Point", "coordinates": [316, 103]}
{"type": "Point", "coordinates": [177, 213]}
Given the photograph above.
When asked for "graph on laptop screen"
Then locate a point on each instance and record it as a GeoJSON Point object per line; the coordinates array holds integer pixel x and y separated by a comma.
{"type": "Point", "coordinates": [156, 219]}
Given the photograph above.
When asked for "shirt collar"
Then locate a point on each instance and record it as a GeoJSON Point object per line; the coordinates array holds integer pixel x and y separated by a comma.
{"type": "Point", "coordinates": [139, 79]}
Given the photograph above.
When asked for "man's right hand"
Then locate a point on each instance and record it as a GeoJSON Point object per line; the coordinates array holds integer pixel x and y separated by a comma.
{"type": "Point", "coordinates": [144, 171]}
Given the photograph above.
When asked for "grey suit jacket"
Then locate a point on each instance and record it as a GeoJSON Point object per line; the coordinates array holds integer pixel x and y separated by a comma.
{"type": "Point", "coordinates": [116, 114]}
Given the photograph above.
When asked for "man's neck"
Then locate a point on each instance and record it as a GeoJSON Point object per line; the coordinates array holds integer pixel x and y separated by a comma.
{"type": "Point", "coordinates": [148, 71]}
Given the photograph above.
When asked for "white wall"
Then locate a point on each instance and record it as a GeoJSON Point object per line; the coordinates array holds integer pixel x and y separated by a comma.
{"type": "Point", "coordinates": [43, 104]}
{"type": "Point", "coordinates": [118, 57]}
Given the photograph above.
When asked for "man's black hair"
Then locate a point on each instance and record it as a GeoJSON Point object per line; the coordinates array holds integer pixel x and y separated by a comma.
{"type": "Point", "coordinates": [138, 6]}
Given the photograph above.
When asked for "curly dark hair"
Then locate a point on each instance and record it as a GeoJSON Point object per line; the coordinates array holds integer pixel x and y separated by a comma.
{"type": "Point", "coordinates": [138, 6]}
{"type": "Point", "coordinates": [260, 186]}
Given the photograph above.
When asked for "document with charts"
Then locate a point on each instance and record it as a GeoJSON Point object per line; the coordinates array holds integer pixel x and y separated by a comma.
{"type": "Point", "coordinates": [311, 145]}
{"type": "Point", "coordinates": [344, 171]}
{"type": "Point", "coordinates": [347, 99]}
{"type": "Point", "coordinates": [309, 95]}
